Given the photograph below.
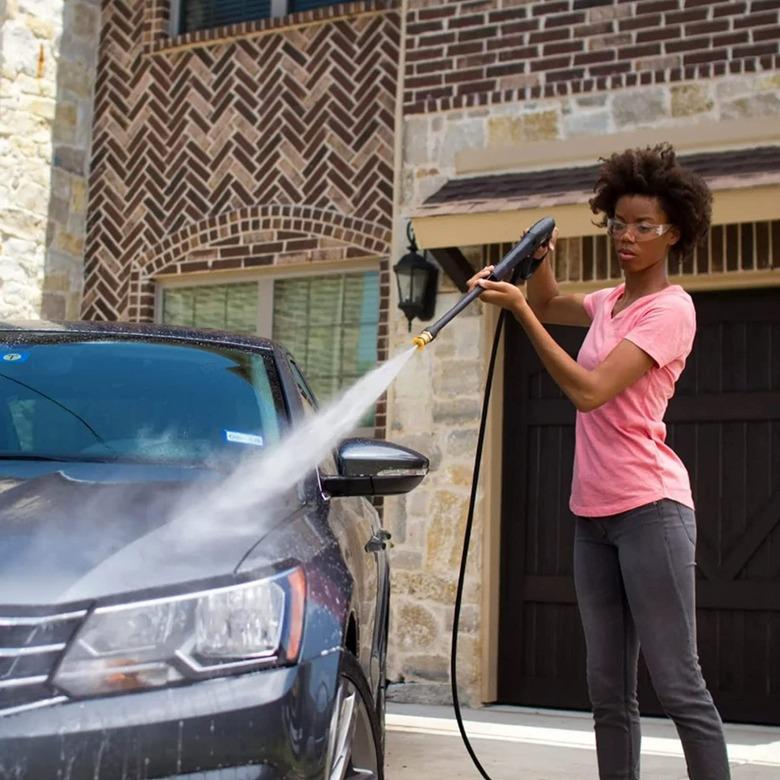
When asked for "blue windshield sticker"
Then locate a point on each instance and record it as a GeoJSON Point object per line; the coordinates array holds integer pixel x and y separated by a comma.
{"type": "Point", "coordinates": [15, 357]}
{"type": "Point", "coordinates": [244, 438]}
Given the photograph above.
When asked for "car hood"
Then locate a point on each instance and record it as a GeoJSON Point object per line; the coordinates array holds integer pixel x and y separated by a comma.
{"type": "Point", "coordinates": [78, 531]}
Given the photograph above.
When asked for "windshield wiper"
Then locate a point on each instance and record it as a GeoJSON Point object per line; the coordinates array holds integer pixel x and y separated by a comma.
{"type": "Point", "coordinates": [62, 458]}
{"type": "Point", "coordinates": [61, 405]}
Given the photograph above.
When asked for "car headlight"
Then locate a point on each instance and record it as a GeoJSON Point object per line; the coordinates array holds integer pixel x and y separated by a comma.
{"type": "Point", "coordinates": [146, 644]}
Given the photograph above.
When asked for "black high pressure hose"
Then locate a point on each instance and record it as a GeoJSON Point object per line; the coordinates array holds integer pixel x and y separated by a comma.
{"type": "Point", "coordinates": [519, 263]}
{"type": "Point", "coordinates": [466, 541]}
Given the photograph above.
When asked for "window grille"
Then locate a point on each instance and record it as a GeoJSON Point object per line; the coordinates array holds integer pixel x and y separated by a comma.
{"type": "Point", "coordinates": [741, 247]}
{"type": "Point", "coordinates": [208, 14]}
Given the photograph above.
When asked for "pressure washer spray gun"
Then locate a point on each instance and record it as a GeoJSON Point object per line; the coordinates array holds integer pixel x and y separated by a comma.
{"type": "Point", "coordinates": [519, 262]}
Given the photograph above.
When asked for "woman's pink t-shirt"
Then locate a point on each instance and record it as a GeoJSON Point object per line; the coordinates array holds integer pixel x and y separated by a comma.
{"type": "Point", "coordinates": [621, 460]}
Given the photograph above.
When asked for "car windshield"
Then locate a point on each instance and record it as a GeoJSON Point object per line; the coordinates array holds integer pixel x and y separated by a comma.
{"type": "Point", "coordinates": [132, 400]}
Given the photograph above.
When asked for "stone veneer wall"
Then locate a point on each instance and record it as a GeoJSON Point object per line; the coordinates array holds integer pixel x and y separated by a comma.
{"type": "Point", "coordinates": [440, 393]}
{"type": "Point", "coordinates": [48, 53]}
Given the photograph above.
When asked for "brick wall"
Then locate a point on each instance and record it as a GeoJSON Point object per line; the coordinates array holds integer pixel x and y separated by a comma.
{"type": "Point", "coordinates": [230, 149]}
{"type": "Point", "coordinates": [479, 52]}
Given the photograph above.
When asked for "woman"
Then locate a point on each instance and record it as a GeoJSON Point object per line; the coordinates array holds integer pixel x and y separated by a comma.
{"type": "Point", "coordinates": [635, 526]}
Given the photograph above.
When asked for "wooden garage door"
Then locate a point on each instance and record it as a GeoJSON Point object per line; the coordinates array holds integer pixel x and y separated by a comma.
{"type": "Point", "coordinates": [725, 423]}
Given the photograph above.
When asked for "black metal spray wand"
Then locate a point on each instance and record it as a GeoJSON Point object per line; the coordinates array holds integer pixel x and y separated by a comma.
{"type": "Point", "coordinates": [519, 258]}
{"type": "Point", "coordinates": [518, 263]}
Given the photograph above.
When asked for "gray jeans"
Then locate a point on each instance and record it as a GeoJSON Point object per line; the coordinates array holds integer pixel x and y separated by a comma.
{"type": "Point", "coordinates": [634, 574]}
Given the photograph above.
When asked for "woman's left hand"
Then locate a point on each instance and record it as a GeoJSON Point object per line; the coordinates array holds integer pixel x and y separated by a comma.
{"type": "Point", "coordinates": [503, 294]}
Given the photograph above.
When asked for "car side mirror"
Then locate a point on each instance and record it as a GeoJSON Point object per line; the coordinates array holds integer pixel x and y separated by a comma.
{"type": "Point", "coordinates": [374, 468]}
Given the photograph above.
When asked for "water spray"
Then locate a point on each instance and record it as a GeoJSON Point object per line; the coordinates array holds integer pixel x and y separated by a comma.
{"type": "Point", "coordinates": [518, 263]}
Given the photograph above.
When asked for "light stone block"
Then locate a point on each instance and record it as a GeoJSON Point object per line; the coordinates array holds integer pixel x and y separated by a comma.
{"type": "Point", "coordinates": [691, 99]}
{"type": "Point", "coordinates": [637, 108]}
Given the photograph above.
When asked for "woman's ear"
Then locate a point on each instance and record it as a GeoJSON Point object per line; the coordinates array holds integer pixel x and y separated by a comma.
{"type": "Point", "coordinates": [673, 236]}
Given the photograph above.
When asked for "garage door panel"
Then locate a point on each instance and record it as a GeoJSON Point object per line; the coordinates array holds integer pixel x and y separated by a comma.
{"type": "Point", "coordinates": [725, 423]}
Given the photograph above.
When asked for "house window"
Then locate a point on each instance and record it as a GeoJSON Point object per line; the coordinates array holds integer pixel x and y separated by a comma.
{"type": "Point", "coordinates": [224, 306]}
{"type": "Point", "coordinates": [207, 14]}
{"type": "Point", "coordinates": [329, 322]}
{"type": "Point", "coordinates": [330, 325]}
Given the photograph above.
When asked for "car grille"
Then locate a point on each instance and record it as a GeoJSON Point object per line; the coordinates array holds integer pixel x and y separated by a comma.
{"type": "Point", "coordinates": [31, 644]}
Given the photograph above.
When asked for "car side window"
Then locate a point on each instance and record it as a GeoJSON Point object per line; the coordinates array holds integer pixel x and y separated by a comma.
{"type": "Point", "coordinates": [328, 464]}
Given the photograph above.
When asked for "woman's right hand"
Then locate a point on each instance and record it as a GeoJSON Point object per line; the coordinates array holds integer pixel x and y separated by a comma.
{"type": "Point", "coordinates": [548, 246]}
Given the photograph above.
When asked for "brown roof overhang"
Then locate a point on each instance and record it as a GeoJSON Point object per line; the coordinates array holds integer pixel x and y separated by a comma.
{"type": "Point", "coordinates": [536, 192]}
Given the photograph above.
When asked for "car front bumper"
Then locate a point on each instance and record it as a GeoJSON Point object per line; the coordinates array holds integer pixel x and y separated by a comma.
{"type": "Point", "coordinates": [268, 725]}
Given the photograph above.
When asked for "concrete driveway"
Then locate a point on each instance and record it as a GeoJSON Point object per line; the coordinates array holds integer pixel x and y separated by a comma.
{"type": "Point", "coordinates": [423, 743]}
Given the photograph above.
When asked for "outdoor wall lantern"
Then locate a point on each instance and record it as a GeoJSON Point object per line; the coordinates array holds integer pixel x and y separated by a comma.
{"type": "Point", "coordinates": [417, 279]}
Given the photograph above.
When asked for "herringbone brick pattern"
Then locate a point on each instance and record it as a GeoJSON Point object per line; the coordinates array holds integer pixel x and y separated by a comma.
{"type": "Point", "coordinates": [237, 153]}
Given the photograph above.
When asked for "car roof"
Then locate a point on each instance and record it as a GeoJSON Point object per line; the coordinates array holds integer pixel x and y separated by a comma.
{"type": "Point", "coordinates": [119, 330]}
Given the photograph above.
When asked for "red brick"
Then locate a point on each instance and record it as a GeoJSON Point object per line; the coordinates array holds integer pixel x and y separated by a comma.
{"type": "Point", "coordinates": [476, 20]}
{"type": "Point", "coordinates": [461, 76]}
{"type": "Point", "coordinates": [563, 47]}
{"type": "Point", "coordinates": [496, 71]}
{"type": "Point", "coordinates": [754, 51]}
{"type": "Point", "coordinates": [564, 75]}
{"type": "Point", "coordinates": [563, 20]}
{"type": "Point", "coordinates": [475, 87]}
{"type": "Point", "coordinates": [424, 14]}
{"type": "Point", "coordinates": [634, 52]}
{"type": "Point", "coordinates": [687, 44]}
{"type": "Point", "coordinates": [755, 20]}
{"type": "Point", "coordinates": [520, 27]}
{"type": "Point", "coordinates": [709, 55]}
{"type": "Point", "coordinates": [508, 15]}
{"type": "Point", "coordinates": [595, 57]}
{"type": "Point", "coordinates": [763, 5]}
{"type": "Point", "coordinates": [691, 15]}
{"type": "Point", "coordinates": [523, 53]}
{"type": "Point", "coordinates": [550, 63]}
{"type": "Point", "coordinates": [638, 22]}
{"type": "Point", "coordinates": [766, 34]}
{"type": "Point", "coordinates": [436, 40]}
{"type": "Point", "coordinates": [459, 49]}
{"type": "Point", "coordinates": [731, 39]}
{"type": "Point", "coordinates": [514, 42]}
{"type": "Point", "coordinates": [609, 69]}
{"type": "Point", "coordinates": [418, 82]}
{"type": "Point", "coordinates": [661, 34]}
{"type": "Point", "coordinates": [478, 34]}
{"type": "Point", "coordinates": [590, 3]}
{"type": "Point", "coordinates": [542, 36]}
{"type": "Point", "coordinates": [729, 9]}
{"type": "Point", "coordinates": [433, 66]}
{"type": "Point", "coordinates": [549, 7]}
{"type": "Point", "coordinates": [653, 6]}
{"type": "Point", "coordinates": [706, 28]}
{"type": "Point", "coordinates": [420, 28]}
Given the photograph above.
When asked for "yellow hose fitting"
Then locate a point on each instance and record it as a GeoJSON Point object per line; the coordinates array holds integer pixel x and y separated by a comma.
{"type": "Point", "coordinates": [423, 339]}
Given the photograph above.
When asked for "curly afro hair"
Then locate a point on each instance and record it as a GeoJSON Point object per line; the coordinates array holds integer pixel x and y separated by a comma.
{"type": "Point", "coordinates": [654, 171]}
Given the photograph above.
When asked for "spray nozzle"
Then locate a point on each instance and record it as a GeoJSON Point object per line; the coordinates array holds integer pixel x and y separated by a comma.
{"type": "Point", "coordinates": [518, 263]}
{"type": "Point", "coordinates": [423, 339]}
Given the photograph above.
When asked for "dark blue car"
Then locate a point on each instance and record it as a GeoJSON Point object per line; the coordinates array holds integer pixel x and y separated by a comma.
{"type": "Point", "coordinates": [170, 607]}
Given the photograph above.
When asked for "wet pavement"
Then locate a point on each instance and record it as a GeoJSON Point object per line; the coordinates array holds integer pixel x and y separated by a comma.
{"type": "Point", "coordinates": [423, 743]}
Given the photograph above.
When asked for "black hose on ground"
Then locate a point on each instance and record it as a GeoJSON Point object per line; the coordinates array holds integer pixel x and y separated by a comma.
{"type": "Point", "coordinates": [467, 539]}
